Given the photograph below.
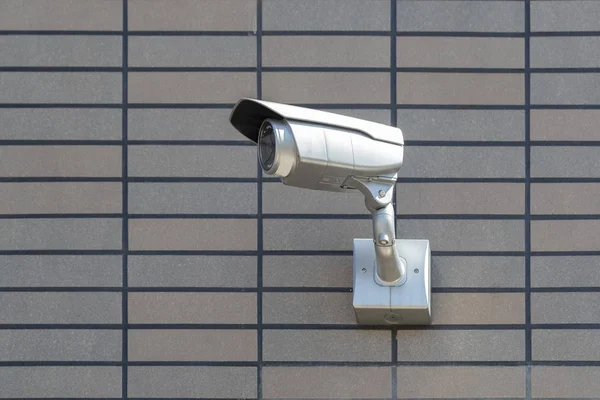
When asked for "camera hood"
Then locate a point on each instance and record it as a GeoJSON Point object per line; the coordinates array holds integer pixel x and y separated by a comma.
{"type": "Point", "coordinates": [248, 115]}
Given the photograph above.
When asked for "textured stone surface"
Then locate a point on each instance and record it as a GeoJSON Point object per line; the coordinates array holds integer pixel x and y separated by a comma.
{"type": "Point", "coordinates": [461, 382]}
{"type": "Point", "coordinates": [565, 271]}
{"type": "Point", "coordinates": [60, 234]}
{"type": "Point", "coordinates": [460, 198]}
{"type": "Point", "coordinates": [461, 345]}
{"type": "Point", "coordinates": [191, 15]}
{"type": "Point", "coordinates": [469, 125]}
{"type": "Point", "coordinates": [189, 382]}
{"type": "Point", "coordinates": [192, 198]}
{"type": "Point", "coordinates": [61, 271]}
{"type": "Point", "coordinates": [461, 16]}
{"type": "Point", "coordinates": [192, 308]}
{"type": "Point", "coordinates": [342, 15]}
{"type": "Point", "coordinates": [60, 345]}
{"type": "Point", "coordinates": [459, 52]}
{"type": "Point", "coordinates": [60, 87]}
{"type": "Point", "coordinates": [326, 345]}
{"type": "Point", "coordinates": [327, 382]}
{"type": "Point", "coordinates": [192, 271]}
{"type": "Point", "coordinates": [192, 345]}
{"type": "Point", "coordinates": [60, 308]}
{"type": "Point", "coordinates": [200, 51]}
{"type": "Point", "coordinates": [60, 197]}
{"type": "Point", "coordinates": [326, 51]}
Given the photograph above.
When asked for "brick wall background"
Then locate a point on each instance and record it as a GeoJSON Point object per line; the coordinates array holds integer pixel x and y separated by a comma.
{"type": "Point", "coordinates": [143, 255]}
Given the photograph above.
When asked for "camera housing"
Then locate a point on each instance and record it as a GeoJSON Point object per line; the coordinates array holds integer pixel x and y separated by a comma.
{"type": "Point", "coordinates": [325, 151]}
{"type": "Point", "coordinates": [318, 150]}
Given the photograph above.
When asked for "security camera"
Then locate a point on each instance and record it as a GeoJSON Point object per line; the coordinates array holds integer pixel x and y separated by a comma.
{"type": "Point", "coordinates": [325, 151]}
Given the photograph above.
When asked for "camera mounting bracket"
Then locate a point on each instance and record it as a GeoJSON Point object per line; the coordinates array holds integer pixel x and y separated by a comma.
{"type": "Point", "coordinates": [392, 277]}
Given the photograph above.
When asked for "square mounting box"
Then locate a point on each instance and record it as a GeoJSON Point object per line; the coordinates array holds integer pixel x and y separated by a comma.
{"type": "Point", "coordinates": [409, 304]}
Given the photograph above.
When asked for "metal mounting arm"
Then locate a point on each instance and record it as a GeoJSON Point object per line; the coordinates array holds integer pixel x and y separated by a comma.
{"type": "Point", "coordinates": [391, 268]}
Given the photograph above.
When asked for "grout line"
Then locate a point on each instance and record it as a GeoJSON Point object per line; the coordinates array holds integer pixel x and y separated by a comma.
{"type": "Point", "coordinates": [259, 219]}
{"type": "Point", "coordinates": [125, 205]}
{"type": "Point", "coordinates": [394, 122]}
{"type": "Point", "coordinates": [527, 80]}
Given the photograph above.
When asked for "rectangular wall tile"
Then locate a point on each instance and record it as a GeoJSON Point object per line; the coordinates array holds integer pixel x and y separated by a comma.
{"type": "Point", "coordinates": [60, 308]}
{"type": "Point", "coordinates": [456, 125]}
{"type": "Point", "coordinates": [192, 345]}
{"type": "Point", "coordinates": [477, 271]}
{"type": "Point", "coordinates": [60, 271]}
{"type": "Point", "coordinates": [181, 124]}
{"type": "Point", "coordinates": [460, 88]}
{"type": "Point", "coordinates": [370, 114]}
{"type": "Point", "coordinates": [60, 197]}
{"type": "Point", "coordinates": [282, 199]}
{"type": "Point", "coordinates": [192, 308]}
{"type": "Point", "coordinates": [192, 51]}
{"type": "Point", "coordinates": [61, 161]}
{"type": "Point", "coordinates": [60, 345]}
{"type": "Point", "coordinates": [192, 161]}
{"type": "Point", "coordinates": [461, 16]}
{"type": "Point", "coordinates": [330, 15]}
{"type": "Point", "coordinates": [308, 308]}
{"type": "Point", "coordinates": [565, 162]}
{"type": "Point", "coordinates": [565, 198]}
{"type": "Point", "coordinates": [192, 234]}
{"type": "Point", "coordinates": [192, 271]}
{"type": "Point", "coordinates": [60, 15]}
{"type": "Point", "coordinates": [571, 88]}
{"type": "Point", "coordinates": [461, 345]}
{"type": "Point", "coordinates": [327, 87]}
{"type": "Point", "coordinates": [465, 235]}
{"type": "Point", "coordinates": [565, 308]}
{"type": "Point", "coordinates": [60, 124]}
{"type": "Point", "coordinates": [565, 271]}
{"type": "Point", "coordinates": [190, 382]}
{"type": "Point", "coordinates": [578, 125]}
{"type": "Point", "coordinates": [309, 271]}
{"type": "Point", "coordinates": [326, 51]}
{"type": "Point", "coordinates": [60, 382]}
{"type": "Point", "coordinates": [565, 382]}
{"type": "Point", "coordinates": [191, 198]}
{"type": "Point", "coordinates": [566, 345]}
{"type": "Point", "coordinates": [326, 345]}
{"type": "Point", "coordinates": [314, 234]}
{"type": "Point", "coordinates": [460, 198]}
{"type": "Point", "coordinates": [191, 15]}
{"type": "Point", "coordinates": [565, 15]}
{"type": "Point", "coordinates": [190, 87]}
{"type": "Point", "coordinates": [60, 234]}
{"type": "Point", "coordinates": [459, 52]}
{"type": "Point", "coordinates": [478, 308]}
{"type": "Point", "coordinates": [565, 52]}
{"type": "Point", "coordinates": [61, 51]}
{"type": "Point", "coordinates": [463, 162]}
{"type": "Point", "coordinates": [327, 382]}
{"type": "Point", "coordinates": [573, 235]}
{"type": "Point", "coordinates": [461, 382]}
{"type": "Point", "coordinates": [60, 87]}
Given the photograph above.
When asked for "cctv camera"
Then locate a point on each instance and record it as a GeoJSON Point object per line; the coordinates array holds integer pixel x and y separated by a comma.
{"type": "Point", "coordinates": [319, 150]}
{"type": "Point", "coordinates": [325, 151]}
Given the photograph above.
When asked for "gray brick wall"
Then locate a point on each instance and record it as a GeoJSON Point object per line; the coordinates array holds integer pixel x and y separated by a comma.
{"type": "Point", "coordinates": [144, 255]}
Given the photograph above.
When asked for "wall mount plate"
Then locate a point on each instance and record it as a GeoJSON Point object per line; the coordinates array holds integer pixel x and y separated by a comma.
{"type": "Point", "coordinates": [408, 304]}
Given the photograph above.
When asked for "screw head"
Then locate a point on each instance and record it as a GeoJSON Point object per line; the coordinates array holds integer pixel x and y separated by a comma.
{"type": "Point", "coordinates": [382, 193]}
{"type": "Point", "coordinates": [364, 270]}
{"type": "Point", "coordinates": [416, 270]}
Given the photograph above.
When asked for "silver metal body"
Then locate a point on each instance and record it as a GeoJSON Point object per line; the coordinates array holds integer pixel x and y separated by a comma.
{"type": "Point", "coordinates": [409, 304]}
{"type": "Point", "coordinates": [326, 151]}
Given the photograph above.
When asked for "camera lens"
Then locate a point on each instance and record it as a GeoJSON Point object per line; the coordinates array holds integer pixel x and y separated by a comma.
{"type": "Point", "coordinates": [266, 146]}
